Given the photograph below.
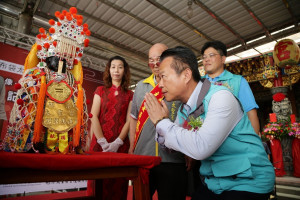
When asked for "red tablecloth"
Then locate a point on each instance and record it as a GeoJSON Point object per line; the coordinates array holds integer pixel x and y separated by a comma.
{"type": "Point", "coordinates": [89, 160]}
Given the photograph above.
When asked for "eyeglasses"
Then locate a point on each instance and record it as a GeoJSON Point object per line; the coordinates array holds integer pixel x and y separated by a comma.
{"type": "Point", "coordinates": [211, 55]}
{"type": "Point", "coordinates": [153, 62]}
{"type": "Point", "coordinates": [152, 65]}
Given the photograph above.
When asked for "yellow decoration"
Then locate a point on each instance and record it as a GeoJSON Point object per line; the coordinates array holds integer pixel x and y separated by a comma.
{"type": "Point", "coordinates": [63, 143]}
{"type": "Point", "coordinates": [292, 70]}
{"type": "Point", "coordinates": [289, 80]}
{"type": "Point", "coordinates": [266, 83]}
{"type": "Point", "coordinates": [78, 72]}
{"type": "Point", "coordinates": [24, 139]}
{"type": "Point", "coordinates": [31, 60]}
{"type": "Point", "coordinates": [52, 139]}
{"type": "Point", "coordinates": [60, 117]}
{"type": "Point", "coordinates": [59, 91]}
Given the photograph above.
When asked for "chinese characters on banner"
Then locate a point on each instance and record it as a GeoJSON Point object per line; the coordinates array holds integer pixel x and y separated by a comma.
{"type": "Point", "coordinates": [11, 73]}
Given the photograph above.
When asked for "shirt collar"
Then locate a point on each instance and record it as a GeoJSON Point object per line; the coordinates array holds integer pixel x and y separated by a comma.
{"type": "Point", "coordinates": [214, 79]}
{"type": "Point", "coordinates": [192, 102]}
{"type": "Point", "coordinates": [115, 87]}
{"type": "Point", "coordinates": [150, 80]}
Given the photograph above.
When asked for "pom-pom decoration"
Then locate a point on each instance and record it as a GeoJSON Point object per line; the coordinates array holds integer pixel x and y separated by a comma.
{"type": "Point", "coordinates": [73, 10]}
{"type": "Point", "coordinates": [88, 32]}
{"type": "Point", "coordinates": [79, 22]}
{"type": "Point", "coordinates": [61, 17]}
{"type": "Point", "coordinates": [51, 22]}
{"type": "Point", "coordinates": [17, 86]}
{"type": "Point", "coordinates": [90, 115]}
{"type": "Point", "coordinates": [57, 14]}
{"type": "Point", "coordinates": [278, 97]}
{"type": "Point", "coordinates": [20, 101]}
{"type": "Point", "coordinates": [41, 30]}
{"type": "Point", "coordinates": [47, 45]}
{"type": "Point", "coordinates": [69, 17]}
{"type": "Point", "coordinates": [51, 30]}
{"type": "Point", "coordinates": [75, 62]}
{"type": "Point", "coordinates": [86, 42]}
{"type": "Point", "coordinates": [39, 47]}
{"type": "Point", "coordinates": [54, 43]}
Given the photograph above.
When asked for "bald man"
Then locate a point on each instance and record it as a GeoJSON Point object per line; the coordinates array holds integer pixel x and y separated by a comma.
{"type": "Point", "coordinates": [170, 177]}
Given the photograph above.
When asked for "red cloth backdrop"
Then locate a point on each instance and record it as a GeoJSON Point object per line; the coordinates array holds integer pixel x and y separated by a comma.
{"type": "Point", "coordinates": [277, 158]}
{"type": "Point", "coordinates": [91, 78]}
{"type": "Point", "coordinates": [296, 156]}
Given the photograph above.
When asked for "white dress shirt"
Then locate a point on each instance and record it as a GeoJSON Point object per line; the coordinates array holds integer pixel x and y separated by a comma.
{"type": "Point", "coordinates": [224, 112]}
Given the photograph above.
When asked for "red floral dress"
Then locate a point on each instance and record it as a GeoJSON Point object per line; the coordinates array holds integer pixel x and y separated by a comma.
{"type": "Point", "coordinates": [113, 111]}
{"type": "Point", "coordinates": [112, 117]}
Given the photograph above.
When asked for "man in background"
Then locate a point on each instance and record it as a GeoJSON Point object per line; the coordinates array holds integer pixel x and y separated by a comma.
{"type": "Point", "coordinates": [213, 56]}
{"type": "Point", "coordinates": [170, 177]}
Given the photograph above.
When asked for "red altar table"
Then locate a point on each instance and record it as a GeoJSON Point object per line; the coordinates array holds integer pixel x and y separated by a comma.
{"type": "Point", "coordinates": [33, 167]}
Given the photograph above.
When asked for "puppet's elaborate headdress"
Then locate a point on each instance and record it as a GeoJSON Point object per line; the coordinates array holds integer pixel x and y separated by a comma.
{"type": "Point", "coordinates": [66, 38]}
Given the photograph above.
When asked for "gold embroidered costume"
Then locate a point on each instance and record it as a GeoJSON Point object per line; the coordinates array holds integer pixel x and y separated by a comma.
{"type": "Point", "coordinates": [50, 112]}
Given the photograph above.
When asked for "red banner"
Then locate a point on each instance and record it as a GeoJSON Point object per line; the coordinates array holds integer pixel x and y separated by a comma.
{"type": "Point", "coordinates": [143, 114]}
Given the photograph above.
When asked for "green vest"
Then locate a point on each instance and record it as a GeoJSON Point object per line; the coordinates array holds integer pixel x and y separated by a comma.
{"type": "Point", "coordinates": [231, 81]}
{"type": "Point", "coordinates": [241, 162]}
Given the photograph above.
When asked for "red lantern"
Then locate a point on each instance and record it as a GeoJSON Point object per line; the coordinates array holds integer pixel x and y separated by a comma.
{"type": "Point", "coordinates": [286, 53]}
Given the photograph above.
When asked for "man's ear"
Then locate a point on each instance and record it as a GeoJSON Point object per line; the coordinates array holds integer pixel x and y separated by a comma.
{"type": "Point", "coordinates": [223, 59]}
{"type": "Point", "coordinates": [187, 73]}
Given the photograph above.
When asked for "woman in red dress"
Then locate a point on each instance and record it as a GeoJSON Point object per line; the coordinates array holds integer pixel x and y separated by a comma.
{"type": "Point", "coordinates": [110, 121]}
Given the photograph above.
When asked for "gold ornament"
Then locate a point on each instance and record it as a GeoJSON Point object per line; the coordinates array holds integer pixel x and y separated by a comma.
{"type": "Point", "coordinates": [59, 92]}
{"type": "Point", "coordinates": [60, 117]}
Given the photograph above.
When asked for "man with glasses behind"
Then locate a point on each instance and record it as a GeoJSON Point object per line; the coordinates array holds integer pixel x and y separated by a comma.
{"type": "Point", "coordinates": [213, 57]}
{"type": "Point", "coordinates": [170, 177]}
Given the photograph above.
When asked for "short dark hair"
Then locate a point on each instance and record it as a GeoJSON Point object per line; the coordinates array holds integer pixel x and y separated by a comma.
{"type": "Point", "coordinates": [183, 58]}
{"type": "Point", "coordinates": [217, 45]}
{"type": "Point", "coordinates": [126, 76]}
